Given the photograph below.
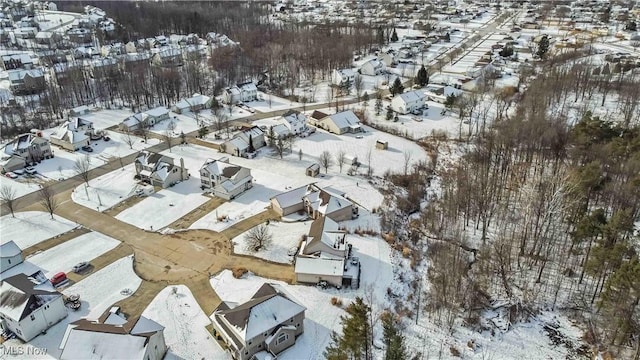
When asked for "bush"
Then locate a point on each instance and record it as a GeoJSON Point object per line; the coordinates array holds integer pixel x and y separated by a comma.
{"type": "Point", "coordinates": [455, 352]}
{"type": "Point", "coordinates": [336, 302]}
{"type": "Point", "coordinates": [406, 252]}
{"type": "Point", "coordinates": [239, 272]}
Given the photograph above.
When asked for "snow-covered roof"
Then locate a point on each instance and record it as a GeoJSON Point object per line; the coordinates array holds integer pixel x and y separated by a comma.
{"type": "Point", "coordinates": [346, 72]}
{"type": "Point", "coordinates": [412, 96]}
{"type": "Point", "coordinates": [9, 249]}
{"type": "Point", "coordinates": [18, 75]}
{"type": "Point", "coordinates": [319, 266]}
{"type": "Point", "coordinates": [22, 58]}
{"type": "Point", "coordinates": [135, 119]}
{"type": "Point", "coordinates": [22, 295]}
{"type": "Point", "coordinates": [157, 112]}
{"type": "Point", "coordinates": [345, 119]}
{"type": "Point", "coordinates": [295, 118]}
{"type": "Point", "coordinates": [195, 100]}
{"type": "Point", "coordinates": [291, 197]}
{"type": "Point", "coordinates": [221, 168]}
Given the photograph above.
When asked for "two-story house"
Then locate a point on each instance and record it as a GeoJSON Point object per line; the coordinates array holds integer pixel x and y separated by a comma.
{"type": "Point", "coordinates": [10, 255]}
{"type": "Point", "coordinates": [27, 308]}
{"type": "Point", "coordinates": [113, 336]}
{"type": "Point", "coordinates": [159, 170]}
{"type": "Point", "coordinates": [316, 202]}
{"type": "Point", "coordinates": [242, 92]}
{"type": "Point", "coordinates": [341, 77]}
{"type": "Point", "coordinates": [25, 149]}
{"type": "Point", "coordinates": [225, 180]}
{"type": "Point", "coordinates": [73, 134]}
{"type": "Point", "coordinates": [246, 141]}
{"type": "Point", "coordinates": [408, 102]}
{"type": "Point", "coordinates": [26, 81]}
{"type": "Point", "coordinates": [266, 324]}
{"type": "Point", "coordinates": [168, 57]}
{"type": "Point", "coordinates": [295, 121]}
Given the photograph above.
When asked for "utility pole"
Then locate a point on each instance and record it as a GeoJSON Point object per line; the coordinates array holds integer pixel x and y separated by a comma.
{"type": "Point", "coordinates": [419, 296]}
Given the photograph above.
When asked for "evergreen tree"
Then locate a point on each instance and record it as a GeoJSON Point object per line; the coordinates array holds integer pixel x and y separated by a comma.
{"type": "Point", "coordinates": [355, 341]}
{"type": "Point", "coordinates": [450, 101]}
{"type": "Point", "coordinates": [393, 339]}
{"type": "Point", "coordinates": [631, 26]}
{"type": "Point", "coordinates": [378, 106]}
{"type": "Point", "coordinates": [389, 115]}
{"type": "Point", "coordinates": [365, 99]}
{"type": "Point", "coordinates": [183, 137]}
{"type": "Point", "coordinates": [422, 78]}
{"type": "Point", "coordinates": [543, 47]}
{"type": "Point", "coordinates": [203, 131]}
{"type": "Point", "coordinates": [300, 154]}
{"type": "Point", "coordinates": [251, 148]}
{"type": "Point", "coordinates": [394, 35]}
{"type": "Point", "coordinates": [397, 87]}
{"type": "Point", "coordinates": [345, 87]}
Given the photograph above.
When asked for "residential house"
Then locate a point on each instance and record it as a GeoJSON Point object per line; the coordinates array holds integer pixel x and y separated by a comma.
{"type": "Point", "coordinates": [325, 255]}
{"type": "Point", "coordinates": [341, 77]}
{"type": "Point", "coordinates": [195, 52]}
{"type": "Point", "coordinates": [387, 58]}
{"type": "Point", "coordinates": [264, 326]}
{"type": "Point", "coordinates": [372, 67]}
{"type": "Point", "coordinates": [114, 337]}
{"type": "Point", "coordinates": [48, 39]}
{"type": "Point", "coordinates": [145, 119]}
{"type": "Point", "coordinates": [85, 52]}
{"type": "Point", "coordinates": [79, 110]}
{"type": "Point", "coordinates": [340, 123]}
{"type": "Point", "coordinates": [104, 67]}
{"type": "Point", "coordinates": [295, 121]}
{"type": "Point", "coordinates": [168, 57]}
{"type": "Point", "coordinates": [241, 143]}
{"type": "Point", "coordinates": [17, 61]}
{"type": "Point", "coordinates": [29, 307]}
{"type": "Point", "coordinates": [79, 36]}
{"type": "Point", "coordinates": [408, 102]}
{"type": "Point", "coordinates": [10, 255]}
{"type": "Point", "coordinates": [279, 131]}
{"type": "Point", "coordinates": [242, 92]}
{"type": "Point", "coordinates": [136, 60]}
{"type": "Point", "coordinates": [316, 202]}
{"type": "Point", "coordinates": [195, 103]}
{"type": "Point", "coordinates": [26, 81]}
{"type": "Point", "coordinates": [73, 134]}
{"type": "Point", "coordinates": [159, 170]}
{"type": "Point", "coordinates": [65, 72]}
{"type": "Point", "coordinates": [225, 180]}
{"type": "Point", "coordinates": [25, 149]}
{"type": "Point", "coordinates": [216, 40]}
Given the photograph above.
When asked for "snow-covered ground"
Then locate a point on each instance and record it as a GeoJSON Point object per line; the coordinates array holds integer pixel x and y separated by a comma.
{"type": "Point", "coordinates": [21, 186]}
{"type": "Point", "coordinates": [286, 236]}
{"type": "Point", "coordinates": [176, 309]}
{"type": "Point", "coordinates": [109, 189]}
{"type": "Point", "coordinates": [63, 257]}
{"type": "Point", "coordinates": [31, 227]}
{"type": "Point", "coordinates": [166, 206]}
{"type": "Point", "coordinates": [269, 102]}
{"type": "Point", "coordinates": [321, 318]}
{"type": "Point", "coordinates": [103, 119]}
{"type": "Point", "coordinates": [98, 292]}
{"type": "Point", "coordinates": [178, 123]}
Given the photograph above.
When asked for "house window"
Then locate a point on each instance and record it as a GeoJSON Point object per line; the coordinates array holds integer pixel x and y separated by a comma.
{"type": "Point", "coordinates": [282, 338]}
{"type": "Point", "coordinates": [32, 317]}
{"type": "Point", "coordinates": [291, 320]}
{"type": "Point", "coordinates": [9, 261]}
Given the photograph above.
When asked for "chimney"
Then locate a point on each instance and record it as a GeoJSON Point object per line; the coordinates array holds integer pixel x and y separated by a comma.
{"type": "Point", "coordinates": [182, 169]}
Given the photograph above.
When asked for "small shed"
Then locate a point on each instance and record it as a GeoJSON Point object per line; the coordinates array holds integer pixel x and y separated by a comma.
{"type": "Point", "coordinates": [382, 145]}
{"type": "Point", "coordinates": [80, 110]}
{"type": "Point", "coordinates": [313, 170]}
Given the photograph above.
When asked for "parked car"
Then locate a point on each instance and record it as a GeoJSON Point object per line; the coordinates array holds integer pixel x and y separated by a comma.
{"type": "Point", "coordinates": [11, 175]}
{"type": "Point", "coordinates": [59, 279]}
{"type": "Point", "coordinates": [80, 266]}
{"type": "Point", "coordinates": [18, 171]}
{"type": "Point", "coordinates": [87, 148]}
{"type": "Point", "coordinates": [106, 138]}
{"type": "Point", "coordinates": [30, 170]}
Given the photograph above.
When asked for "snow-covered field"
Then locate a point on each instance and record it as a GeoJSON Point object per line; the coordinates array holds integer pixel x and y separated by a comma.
{"type": "Point", "coordinates": [109, 189]}
{"type": "Point", "coordinates": [38, 225]}
{"type": "Point", "coordinates": [178, 123]}
{"type": "Point", "coordinates": [286, 236]}
{"type": "Point", "coordinates": [98, 292]}
{"type": "Point", "coordinates": [166, 206]}
{"type": "Point", "coordinates": [103, 119]}
{"type": "Point", "coordinates": [321, 318]}
{"type": "Point", "coordinates": [63, 257]}
{"type": "Point", "coordinates": [176, 309]}
{"type": "Point", "coordinates": [268, 103]}
{"type": "Point", "coordinates": [21, 186]}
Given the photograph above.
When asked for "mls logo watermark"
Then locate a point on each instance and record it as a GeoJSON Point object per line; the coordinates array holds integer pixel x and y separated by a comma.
{"type": "Point", "coordinates": [19, 350]}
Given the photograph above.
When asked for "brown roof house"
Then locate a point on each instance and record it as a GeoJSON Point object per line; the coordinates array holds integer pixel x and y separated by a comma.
{"type": "Point", "coordinates": [114, 337]}
{"type": "Point", "coordinates": [29, 306]}
{"type": "Point", "coordinates": [262, 327]}
{"type": "Point", "coordinates": [225, 180]}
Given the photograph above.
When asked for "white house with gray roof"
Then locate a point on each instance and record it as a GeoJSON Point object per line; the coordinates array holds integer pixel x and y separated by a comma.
{"type": "Point", "coordinates": [268, 323]}
{"type": "Point", "coordinates": [159, 170]}
{"type": "Point", "coordinates": [339, 123]}
{"type": "Point", "coordinates": [10, 255]}
{"type": "Point", "coordinates": [29, 307]}
{"type": "Point", "coordinates": [408, 102]}
{"type": "Point", "coordinates": [73, 134]}
{"type": "Point", "coordinates": [225, 180]}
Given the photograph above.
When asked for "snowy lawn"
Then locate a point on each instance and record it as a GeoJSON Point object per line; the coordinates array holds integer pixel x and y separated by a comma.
{"type": "Point", "coordinates": [269, 102]}
{"type": "Point", "coordinates": [179, 123]}
{"type": "Point", "coordinates": [98, 292]}
{"type": "Point", "coordinates": [103, 119]}
{"type": "Point", "coordinates": [31, 227]}
{"type": "Point", "coordinates": [63, 257]}
{"type": "Point", "coordinates": [286, 236]}
{"type": "Point", "coordinates": [321, 318]}
{"type": "Point", "coordinates": [176, 309]}
{"type": "Point", "coordinates": [22, 186]}
{"type": "Point", "coordinates": [166, 206]}
{"type": "Point", "coordinates": [108, 189]}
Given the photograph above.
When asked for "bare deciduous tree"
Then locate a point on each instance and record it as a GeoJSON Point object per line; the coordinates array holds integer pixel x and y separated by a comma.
{"type": "Point", "coordinates": [128, 139]}
{"type": "Point", "coordinates": [166, 137]}
{"type": "Point", "coordinates": [48, 200]}
{"type": "Point", "coordinates": [341, 158]}
{"type": "Point", "coordinates": [258, 238]}
{"type": "Point", "coordinates": [407, 159]}
{"type": "Point", "coordinates": [358, 84]}
{"type": "Point", "coordinates": [82, 166]}
{"type": "Point", "coordinates": [326, 160]}
{"type": "Point", "coordinates": [8, 196]}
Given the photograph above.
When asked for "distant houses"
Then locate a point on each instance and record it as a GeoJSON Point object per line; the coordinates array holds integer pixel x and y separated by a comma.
{"type": "Point", "coordinates": [372, 68]}
{"type": "Point", "coordinates": [145, 119]}
{"type": "Point", "coordinates": [113, 336]}
{"type": "Point", "coordinates": [29, 307]}
{"type": "Point", "coordinates": [159, 170]}
{"type": "Point", "coordinates": [195, 103]}
{"type": "Point", "coordinates": [25, 149]}
{"type": "Point", "coordinates": [264, 326]}
{"type": "Point", "coordinates": [224, 179]}
{"type": "Point", "coordinates": [341, 77]}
